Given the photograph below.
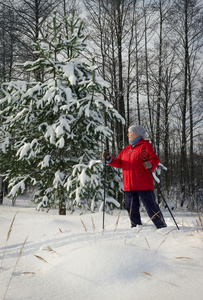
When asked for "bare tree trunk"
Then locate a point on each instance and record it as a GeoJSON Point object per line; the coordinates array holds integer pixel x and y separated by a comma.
{"type": "Point", "coordinates": [128, 77]}
{"type": "Point", "coordinates": [159, 80]}
{"type": "Point", "coordinates": [147, 74]}
{"type": "Point", "coordinates": [184, 105]}
{"type": "Point", "coordinates": [137, 80]}
{"type": "Point", "coordinates": [121, 107]}
{"type": "Point", "coordinates": [62, 208]}
{"type": "Point", "coordinates": [131, 64]}
{"type": "Point", "coordinates": [192, 184]}
{"type": "Point", "coordinates": [3, 45]}
{"type": "Point", "coordinates": [1, 190]}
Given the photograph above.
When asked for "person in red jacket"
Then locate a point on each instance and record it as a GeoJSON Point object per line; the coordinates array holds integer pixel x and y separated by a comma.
{"type": "Point", "coordinates": [136, 159]}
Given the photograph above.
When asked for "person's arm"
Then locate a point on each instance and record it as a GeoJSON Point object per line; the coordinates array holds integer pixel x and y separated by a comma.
{"type": "Point", "coordinates": [152, 159]}
{"type": "Point", "coordinates": [115, 162]}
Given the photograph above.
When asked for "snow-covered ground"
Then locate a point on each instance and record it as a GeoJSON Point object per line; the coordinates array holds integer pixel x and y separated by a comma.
{"type": "Point", "coordinates": [71, 258]}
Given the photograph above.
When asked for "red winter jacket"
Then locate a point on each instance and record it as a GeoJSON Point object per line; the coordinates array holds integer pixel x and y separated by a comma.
{"type": "Point", "coordinates": [131, 160]}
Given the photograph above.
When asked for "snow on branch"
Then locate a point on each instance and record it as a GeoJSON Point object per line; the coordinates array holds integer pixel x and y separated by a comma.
{"type": "Point", "coordinates": [19, 187]}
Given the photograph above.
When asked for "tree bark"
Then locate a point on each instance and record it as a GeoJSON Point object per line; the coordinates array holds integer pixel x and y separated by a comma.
{"type": "Point", "coordinates": [160, 79]}
{"type": "Point", "coordinates": [147, 75]}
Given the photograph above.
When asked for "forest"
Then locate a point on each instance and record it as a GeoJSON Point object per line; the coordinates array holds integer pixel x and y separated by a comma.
{"type": "Point", "coordinates": [148, 56]}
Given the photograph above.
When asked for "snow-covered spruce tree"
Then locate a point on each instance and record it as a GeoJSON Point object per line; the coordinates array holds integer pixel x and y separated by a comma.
{"type": "Point", "coordinates": [55, 127]}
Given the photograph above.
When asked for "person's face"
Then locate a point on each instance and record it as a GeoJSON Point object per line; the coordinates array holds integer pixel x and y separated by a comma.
{"type": "Point", "coordinates": [131, 135]}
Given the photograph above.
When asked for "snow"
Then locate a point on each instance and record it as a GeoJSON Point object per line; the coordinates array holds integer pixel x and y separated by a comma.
{"type": "Point", "coordinates": [50, 134]}
{"type": "Point", "coordinates": [63, 123]}
{"type": "Point", "coordinates": [21, 113]}
{"type": "Point", "coordinates": [83, 178]}
{"type": "Point", "coordinates": [19, 185]}
{"type": "Point", "coordinates": [5, 144]}
{"type": "Point", "coordinates": [69, 73]}
{"type": "Point", "coordinates": [23, 151]}
{"type": "Point", "coordinates": [45, 162]}
{"type": "Point", "coordinates": [71, 257]}
{"type": "Point", "coordinates": [58, 180]}
{"type": "Point", "coordinates": [60, 143]}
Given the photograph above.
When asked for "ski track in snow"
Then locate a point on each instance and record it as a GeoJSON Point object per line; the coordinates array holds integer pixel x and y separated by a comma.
{"type": "Point", "coordinates": [117, 263]}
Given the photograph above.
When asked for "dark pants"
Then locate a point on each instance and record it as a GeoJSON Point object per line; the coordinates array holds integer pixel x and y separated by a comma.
{"type": "Point", "coordinates": [132, 204]}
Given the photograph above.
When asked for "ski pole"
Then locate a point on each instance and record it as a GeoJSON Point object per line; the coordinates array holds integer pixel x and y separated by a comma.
{"type": "Point", "coordinates": [164, 200]}
{"type": "Point", "coordinates": [104, 190]}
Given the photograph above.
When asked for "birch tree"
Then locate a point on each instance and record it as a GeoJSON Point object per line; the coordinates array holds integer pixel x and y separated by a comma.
{"type": "Point", "coordinates": [189, 32]}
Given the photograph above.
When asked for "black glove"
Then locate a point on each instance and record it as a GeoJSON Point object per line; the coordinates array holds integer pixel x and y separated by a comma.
{"type": "Point", "coordinates": [106, 155]}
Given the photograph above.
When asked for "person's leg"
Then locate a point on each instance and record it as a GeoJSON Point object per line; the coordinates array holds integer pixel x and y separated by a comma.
{"type": "Point", "coordinates": [132, 205]}
{"type": "Point", "coordinates": [152, 208]}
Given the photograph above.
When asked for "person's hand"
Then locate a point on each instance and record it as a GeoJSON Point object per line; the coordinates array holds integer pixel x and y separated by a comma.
{"type": "Point", "coordinates": [147, 165]}
{"type": "Point", "coordinates": [106, 155]}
